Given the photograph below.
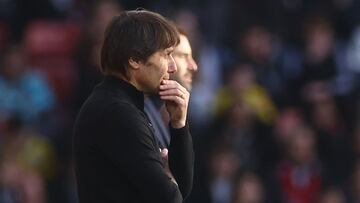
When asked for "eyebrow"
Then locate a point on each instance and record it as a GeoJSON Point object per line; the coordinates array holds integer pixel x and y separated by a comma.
{"type": "Point", "coordinates": [181, 53]}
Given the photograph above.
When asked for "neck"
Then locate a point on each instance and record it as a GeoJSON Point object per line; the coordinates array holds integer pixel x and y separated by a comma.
{"type": "Point", "coordinates": [130, 80]}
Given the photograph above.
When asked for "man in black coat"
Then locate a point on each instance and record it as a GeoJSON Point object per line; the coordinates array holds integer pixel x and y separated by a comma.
{"type": "Point", "coordinates": [117, 157]}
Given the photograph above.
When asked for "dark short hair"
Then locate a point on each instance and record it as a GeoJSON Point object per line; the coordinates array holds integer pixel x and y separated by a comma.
{"type": "Point", "coordinates": [135, 34]}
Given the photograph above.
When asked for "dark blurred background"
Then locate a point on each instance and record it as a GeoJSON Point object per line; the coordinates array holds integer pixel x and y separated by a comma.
{"type": "Point", "coordinates": [274, 111]}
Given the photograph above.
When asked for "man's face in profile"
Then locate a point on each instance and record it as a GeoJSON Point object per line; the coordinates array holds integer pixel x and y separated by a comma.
{"type": "Point", "coordinates": [156, 69]}
{"type": "Point", "coordinates": [186, 66]}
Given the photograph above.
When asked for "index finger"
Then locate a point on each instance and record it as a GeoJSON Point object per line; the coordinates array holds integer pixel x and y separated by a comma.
{"type": "Point", "coordinates": [171, 84]}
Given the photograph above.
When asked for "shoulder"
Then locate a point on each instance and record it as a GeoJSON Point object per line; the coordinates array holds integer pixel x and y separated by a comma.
{"type": "Point", "coordinates": [125, 116]}
{"type": "Point", "coordinates": [119, 108]}
{"type": "Point", "coordinates": [124, 121]}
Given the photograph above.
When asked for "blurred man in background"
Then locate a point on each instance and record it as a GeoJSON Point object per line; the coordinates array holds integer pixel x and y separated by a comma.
{"type": "Point", "coordinates": [186, 68]}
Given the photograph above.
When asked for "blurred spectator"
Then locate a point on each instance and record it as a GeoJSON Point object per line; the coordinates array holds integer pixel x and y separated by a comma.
{"type": "Point", "coordinates": [332, 195]}
{"type": "Point", "coordinates": [275, 64]}
{"type": "Point", "coordinates": [244, 116]}
{"type": "Point", "coordinates": [27, 162]}
{"type": "Point", "coordinates": [241, 84]}
{"type": "Point", "coordinates": [224, 165]}
{"type": "Point", "coordinates": [19, 186]}
{"type": "Point", "coordinates": [23, 92]}
{"type": "Point", "coordinates": [49, 47]}
{"type": "Point", "coordinates": [324, 60]}
{"type": "Point", "coordinates": [332, 135]}
{"type": "Point", "coordinates": [239, 132]}
{"type": "Point", "coordinates": [289, 119]}
{"type": "Point", "coordinates": [248, 189]}
{"type": "Point", "coordinates": [299, 174]}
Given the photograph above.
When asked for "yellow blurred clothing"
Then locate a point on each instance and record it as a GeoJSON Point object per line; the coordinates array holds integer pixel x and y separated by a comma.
{"type": "Point", "coordinates": [255, 97]}
{"type": "Point", "coordinates": [30, 151]}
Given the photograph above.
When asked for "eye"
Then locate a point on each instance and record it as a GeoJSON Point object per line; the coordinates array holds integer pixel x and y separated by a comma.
{"type": "Point", "coordinates": [184, 56]}
{"type": "Point", "coordinates": [169, 54]}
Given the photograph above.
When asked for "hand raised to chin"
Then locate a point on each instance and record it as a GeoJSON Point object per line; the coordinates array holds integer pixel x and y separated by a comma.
{"type": "Point", "coordinates": [176, 99]}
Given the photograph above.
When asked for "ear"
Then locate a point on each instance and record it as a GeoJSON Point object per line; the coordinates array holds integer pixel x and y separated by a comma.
{"type": "Point", "coordinates": [135, 64]}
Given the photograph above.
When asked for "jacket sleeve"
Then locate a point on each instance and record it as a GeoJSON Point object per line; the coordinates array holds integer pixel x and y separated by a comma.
{"type": "Point", "coordinates": [129, 145]}
{"type": "Point", "coordinates": [181, 158]}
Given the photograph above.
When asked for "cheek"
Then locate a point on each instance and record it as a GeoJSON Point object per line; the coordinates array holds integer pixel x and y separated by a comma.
{"type": "Point", "coordinates": [184, 66]}
{"type": "Point", "coordinates": [182, 69]}
{"type": "Point", "coordinates": [158, 68]}
{"type": "Point", "coordinates": [164, 66]}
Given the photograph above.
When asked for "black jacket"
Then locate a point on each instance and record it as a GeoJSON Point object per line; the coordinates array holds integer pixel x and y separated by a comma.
{"type": "Point", "coordinates": [117, 156]}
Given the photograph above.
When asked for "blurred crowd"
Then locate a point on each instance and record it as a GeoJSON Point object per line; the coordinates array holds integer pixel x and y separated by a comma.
{"type": "Point", "coordinates": [274, 109]}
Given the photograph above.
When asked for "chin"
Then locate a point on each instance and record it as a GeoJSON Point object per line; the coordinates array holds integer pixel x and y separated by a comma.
{"type": "Point", "coordinates": [152, 91]}
{"type": "Point", "coordinates": [187, 85]}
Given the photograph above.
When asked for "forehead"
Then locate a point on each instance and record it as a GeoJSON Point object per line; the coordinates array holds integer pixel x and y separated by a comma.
{"type": "Point", "coordinates": [162, 52]}
{"type": "Point", "coordinates": [184, 45]}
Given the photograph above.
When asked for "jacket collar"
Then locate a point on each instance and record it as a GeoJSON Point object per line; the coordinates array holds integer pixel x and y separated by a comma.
{"type": "Point", "coordinates": [121, 87]}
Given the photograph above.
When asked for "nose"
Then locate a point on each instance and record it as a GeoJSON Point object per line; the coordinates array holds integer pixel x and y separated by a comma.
{"type": "Point", "coordinates": [192, 65]}
{"type": "Point", "coordinates": [172, 68]}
